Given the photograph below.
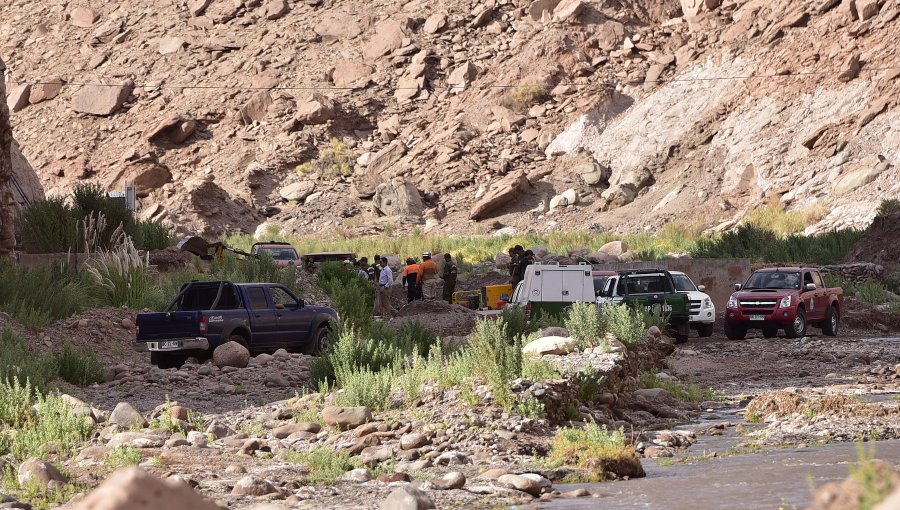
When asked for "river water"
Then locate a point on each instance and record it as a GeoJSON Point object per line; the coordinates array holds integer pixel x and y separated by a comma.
{"type": "Point", "coordinates": [771, 480]}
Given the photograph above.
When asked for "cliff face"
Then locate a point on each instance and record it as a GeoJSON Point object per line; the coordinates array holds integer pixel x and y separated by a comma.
{"type": "Point", "coordinates": [316, 116]}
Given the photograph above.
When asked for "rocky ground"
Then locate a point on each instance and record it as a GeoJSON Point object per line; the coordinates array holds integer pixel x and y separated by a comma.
{"type": "Point", "coordinates": [538, 115]}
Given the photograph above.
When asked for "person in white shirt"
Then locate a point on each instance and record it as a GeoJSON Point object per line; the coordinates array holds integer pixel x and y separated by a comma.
{"type": "Point", "coordinates": [383, 305]}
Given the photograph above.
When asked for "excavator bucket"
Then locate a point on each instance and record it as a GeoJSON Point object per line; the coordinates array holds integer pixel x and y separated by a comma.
{"type": "Point", "coordinates": [196, 245]}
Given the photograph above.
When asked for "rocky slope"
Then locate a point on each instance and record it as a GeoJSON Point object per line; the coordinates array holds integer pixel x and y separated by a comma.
{"type": "Point", "coordinates": [318, 115]}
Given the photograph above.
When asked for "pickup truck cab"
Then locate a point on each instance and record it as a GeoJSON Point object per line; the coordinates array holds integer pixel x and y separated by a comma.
{"type": "Point", "coordinates": [283, 254]}
{"type": "Point", "coordinates": [703, 311]}
{"type": "Point", "coordinates": [653, 290]}
{"type": "Point", "coordinates": [788, 298]}
{"type": "Point", "coordinates": [204, 315]}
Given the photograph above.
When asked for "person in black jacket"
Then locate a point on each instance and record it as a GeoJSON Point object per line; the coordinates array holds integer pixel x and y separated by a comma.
{"type": "Point", "coordinates": [526, 260]}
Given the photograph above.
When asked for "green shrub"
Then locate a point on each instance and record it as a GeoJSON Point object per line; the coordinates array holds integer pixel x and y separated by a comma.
{"type": "Point", "coordinates": [336, 159]}
{"type": "Point", "coordinates": [123, 456]}
{"type": "Point", "coordinates": [54, 428]}
{"type": "Point", "coordinates": [625, 323]}
{"type": "Point", "coordinates": [875, 478]}
{"type": "Point", "coordinates": [364, 387]}
{"type": "Point", "coordinates": [48, 226]}
{"type": "Point", "coordinates": [79, 367]}
{"type": "Point", "coordinates": [516, 324]}
{"type": "Point", "coordinates": [523, 97]}
{"type": "Point", "coordinates": [121, 277]}
{"type": "Point", "coordinates": [37, 297]}
{"type": "Point", "coordinates": [871, 293]}
{"type": "Point", "coordinates": [687, 392]}
{"type": "Point", "coordinates": [592, 448]}
{"type": "Point", "coordinates": [326, 466]}
{"type": "Point", "coordinates": [584, 325]}
{"type": "Point", "coordinates": [238, 270]}
{"type": "Point", "coordinates": [888, 206]}
{"type": "Point", "coordinates": [16, 400]}
{"type": "Point", "coordinates": [18, 361]}
{"type": "Point", "coordinates": [152, 235]}
{"type": "Point", "coordinates": [761, 245]}
{"type": "Point", "coordinates": [494, 359]}
{"type": "Point", "coordinates": [352, 353]}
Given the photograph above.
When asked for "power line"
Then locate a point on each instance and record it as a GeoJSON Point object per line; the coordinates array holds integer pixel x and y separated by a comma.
{"type": "Point", "coordinates": [800, 74]}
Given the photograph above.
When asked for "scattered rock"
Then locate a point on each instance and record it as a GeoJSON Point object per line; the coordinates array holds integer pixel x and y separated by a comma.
{"type": "Point", "coordinates": [253, 486]}
{"type": "Point", "coordinates": [522, 483]}
{"type": "Point", "coordinates": [45, 90]}
{"type": "Point", "coordinates": [84, 17]}
{"type": "Point", "coordinates": [550, 345]}
{"type": "Point", "coordinates": [346, 418]}
{"type": "Point", "coordinates": [101, 100]}
{"type": "Point", "coordinates": [450, 481]}
{"type": "Point", "coordinates": [126, 416]}
{"type": "Point", "coordinates": [500, 193]}
{"type": "Point", "coordinates": [317, 109]}
{"type": "Point", "coordinates": [118, 493]}
{"type": "Point", "coordinates": [413, 441]}
{"type": "Point", "coordinates": [407, 498]}
{"type": "Point", "coordinates": [257, 108]}
{"type": "Point", "coordinates": [398, 198]}
{"type": "Point", "coordinates": [18, 98]}
{"type": "Point", "coordinates": [39, 472]}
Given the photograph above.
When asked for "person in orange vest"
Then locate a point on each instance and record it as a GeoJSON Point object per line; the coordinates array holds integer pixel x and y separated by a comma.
{"type": "Point", "coordinates": [411, 280]}
{"type": "Point", "coordinates": [428, 274]}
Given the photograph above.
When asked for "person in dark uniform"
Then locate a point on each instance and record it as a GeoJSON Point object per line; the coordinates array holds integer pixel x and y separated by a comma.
{"type": "Point", "coordinates": [449, 273]}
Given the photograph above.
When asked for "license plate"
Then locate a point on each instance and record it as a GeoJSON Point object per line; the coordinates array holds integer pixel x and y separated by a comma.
{"type": "Point", "coordinates": [757, 317]}
{"type": "Point", "coordinates": [171, 344]}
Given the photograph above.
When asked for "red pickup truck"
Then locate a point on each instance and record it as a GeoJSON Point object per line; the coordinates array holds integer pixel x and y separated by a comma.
{"type": "Point", "coordinates": [789, 298]}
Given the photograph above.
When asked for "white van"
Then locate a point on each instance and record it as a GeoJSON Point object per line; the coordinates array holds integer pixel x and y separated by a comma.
{"type": "Point", "coordinates": [550, 289]}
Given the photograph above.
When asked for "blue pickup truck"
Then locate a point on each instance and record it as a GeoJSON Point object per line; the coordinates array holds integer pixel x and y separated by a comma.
{"type": "Point", "coordinates": [204, 315]}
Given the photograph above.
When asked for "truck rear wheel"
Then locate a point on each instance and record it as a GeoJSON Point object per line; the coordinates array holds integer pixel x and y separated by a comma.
{"type": "Point", "coordinates": [682, 331]}
{"type": "Point", "coordinates": [166, 360]}
{"type": "Point", "coordinates": [832, 320]}
{"type": "Point", "coordinates": [734, 332]}
{"type": "Point", "coordinates": [705, 330]}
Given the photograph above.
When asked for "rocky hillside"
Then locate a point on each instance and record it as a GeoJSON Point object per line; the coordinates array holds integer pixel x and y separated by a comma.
{"type": "Point", "coordinates": [351, 115]}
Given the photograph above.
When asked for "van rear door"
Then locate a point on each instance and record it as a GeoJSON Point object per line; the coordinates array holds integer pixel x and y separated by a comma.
{"type": "Point", "coordinates": [573, 282]}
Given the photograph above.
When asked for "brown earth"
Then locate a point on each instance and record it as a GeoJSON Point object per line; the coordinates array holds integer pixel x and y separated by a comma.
{"type": "Point", "coordinates": [880, 244]}
{"type": "Point", "coordinates": [210, 111]}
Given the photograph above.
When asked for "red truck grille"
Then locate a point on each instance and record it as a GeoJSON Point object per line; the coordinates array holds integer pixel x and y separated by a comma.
{"type": "Point", "coordinates": [758, 307]}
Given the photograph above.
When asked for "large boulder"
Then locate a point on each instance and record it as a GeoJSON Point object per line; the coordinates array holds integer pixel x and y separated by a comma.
{"type": "Point", "coordinates": [147, 174]}
{"type": "Point", "coordinates": [135, 489]}
{"type": "Point", "coordinates": [346, 418]}
{"type": "Point", "coordinates": [84, 17]}
{"type": "Point", "coordinates": [564, 199]}
{"type": "Point", "coordinates": [18, 98]}
{"type": "Point", "coordinates": [253, 486]}
{"type": "Point", "coordinates": [500, 193]}
{"type": "Point", "coordinates": [461, 76]}
{"type": "Point", "coordinates": [101, 100]}
{"type": "Point", "coordinates": [316, 109]}
{"type": "Point", "coordinates": [231, 354]}
{"type": "Point", "coordinates": [541, 8]}
{"type": "Point", "coordinates": [126, 416]}
{"type": "Point", "coordinates": [388, 37]}
{"type": "Point", "coordinates": [407, 498]}
{"type": "Point", "coordinates": [614, 248]}
{"type": "Point", "coordinates": [174, 129]}
{"type": "Point", "coordinates": [398, 198]}
{"type": "Point", "coordinates": [256, 108]}
{"type": "Point", "coordinates": [858, 178]}
{"type": "Point", "coordinates": [379, 164]}
{"type": "Point", "coordinates": [351, 73]}
{"type": "Point", "coordinates": [45, 91]}
{"type": "Point", "coordinates": [297, 191]}
{"type": "Point", "coordinates": [334, 26]}
{"type": "Point", "coordinates": [39, 472]}
{"type": "Point", "coordinates": [550, 345]}
{"type": "Point", "coordinates": [522, 483]}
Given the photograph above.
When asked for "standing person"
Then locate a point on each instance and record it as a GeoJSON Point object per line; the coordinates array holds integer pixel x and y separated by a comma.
{"type": "Point", "coordinates": [449, 274]}
{"type": "Point", "coordinates": [411, 280]}
{"type": "Point", "coordinates": [428, 273]}
{"type": "Point", "coordinates": [513, 264]}
{"type": "Point", "coordinates": [516, 265]}
{"type": "Point", "coordinates": [362, 268]}
{"type": "Point", "coordinates": [385, 281]}
{"type": "Point", "coordinates": [375, 270]}
{"type": "Point", "coordinates": [526, 260]}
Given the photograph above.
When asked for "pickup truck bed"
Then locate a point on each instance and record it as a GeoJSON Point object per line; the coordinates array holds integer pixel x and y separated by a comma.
{"type": "Point", "coordinates": [204, 315]}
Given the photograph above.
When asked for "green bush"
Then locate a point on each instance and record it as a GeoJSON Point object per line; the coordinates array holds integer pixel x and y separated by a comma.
{"type": "Point", "coordinates": [888, 206]}
{"type": "Point", "coordinates": [592, 448]}
{"type": "Point", "coordinates": [48, 226]}
{"type": "Point", "coordinates": [54, 428]}
{"type": "Point", "coordinates": [494, 359]}
{"type": "Point", "coordinates": [18, 361]}
{"type": "Point", "coordinates": [326, 466]}
{"type": "Point", "coordinates": [81, 368]}
{"type": "Point", "coordinates": [121, 277]}
{"type": "Point", "coordinates": [239, 270]}
{"type": "Point", "coordinates": [123, 456]}
{"type": "Point", "coordinates": [37, 297]}
{"type": "Point", "coordinates": [625, 323]}
{"type": "Point", "coordinates": [152, 235]}
{"type": "Point", "coordinates": [584, 324]}
{"type": "Point", "coordinates": [687, 392]}
{"type": "Point", "coordinates": [761, 245]}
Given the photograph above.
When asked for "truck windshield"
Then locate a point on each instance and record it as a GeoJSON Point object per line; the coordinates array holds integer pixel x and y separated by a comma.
{"type": "Point", "coordinates": [600, 284]}
{"type": "Point", "coordinates": [278, 253]}
{"type": "Point", "coordinates": [647, 284]}
{"type": "Point", "coordinates": [683, 283]}
{"type": "Point", "coordinates": [199, 297]}
{"type": "Point", "coordinates": [774, 280]}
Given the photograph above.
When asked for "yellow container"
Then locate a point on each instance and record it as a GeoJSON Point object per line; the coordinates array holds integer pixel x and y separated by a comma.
{"type": "Point", "coordinates": [468, 298]}
{"type": "Point", "coordinates": [493, 293]}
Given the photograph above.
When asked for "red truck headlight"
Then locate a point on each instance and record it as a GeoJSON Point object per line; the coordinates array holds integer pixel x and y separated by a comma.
{"type": "Point", "coordinates": [785, 302]}
{"type": "Point", "coordinates": [732, 302]}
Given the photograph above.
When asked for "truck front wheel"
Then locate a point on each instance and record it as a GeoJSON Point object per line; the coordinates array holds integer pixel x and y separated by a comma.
{"type": "Point", "coordinates": [705, 330]}
{"type": "Point", "coordinates": [166, 360]}
{"type": "Point", "coordinates": [681, 333]}
{"type": "Point", "coordinates": [797, 328]}
{"type": "Point", "coordinates": [769, 331]}
{"type": "Point", "coordinates": [735, 332]}
{"type": "Point", "coordinates": [318, 342]}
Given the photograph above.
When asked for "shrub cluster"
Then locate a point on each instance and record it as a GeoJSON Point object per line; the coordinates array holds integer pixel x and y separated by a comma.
{"type": "Point", "coordinates": [55, 225]}
{"type": "Point", "coordinates": [761, 245]}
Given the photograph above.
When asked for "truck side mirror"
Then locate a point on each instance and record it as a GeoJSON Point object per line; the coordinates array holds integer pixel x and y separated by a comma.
{"type": "Point", "coordinates": [300, 304]}
{"type": "Point", "coordinates": [279, 306]}
{"type": "Point", "coordinates": [810, 286]}
{"type": "Point", "coordinates": [738, 286]}
{"type": "Point", "coordinates": [701, 288]}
